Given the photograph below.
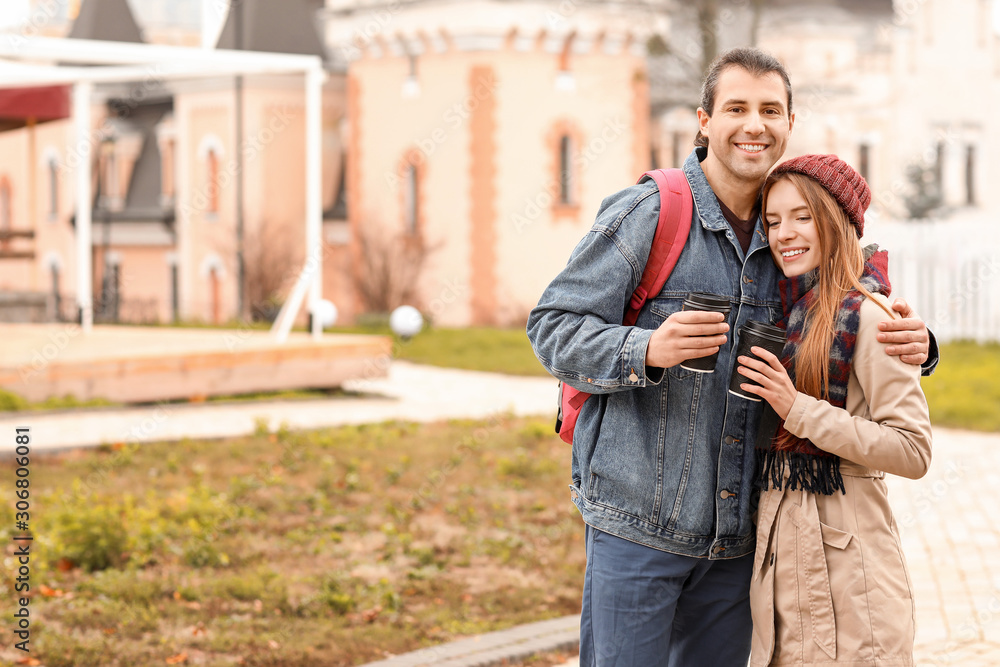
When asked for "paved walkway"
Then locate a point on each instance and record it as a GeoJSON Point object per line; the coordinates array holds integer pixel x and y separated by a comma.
{"type": "Point", "coordinates": [411, 392]}
{"type": "Point", "coordinates": [950, 520]}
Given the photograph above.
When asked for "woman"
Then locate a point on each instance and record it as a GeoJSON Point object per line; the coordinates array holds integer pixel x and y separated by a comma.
{"type": "Point", "coordinates": [830, 584]}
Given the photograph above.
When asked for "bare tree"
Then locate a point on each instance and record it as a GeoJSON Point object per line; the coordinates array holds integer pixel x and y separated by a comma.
{"type": "Point", "coordinates": [389, 269]}
{"type": "Point", "coordinates": [271, 265]}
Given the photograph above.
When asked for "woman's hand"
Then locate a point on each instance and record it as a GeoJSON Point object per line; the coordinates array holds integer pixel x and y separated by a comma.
{"type": "Point", "coordinates": [775, 386]}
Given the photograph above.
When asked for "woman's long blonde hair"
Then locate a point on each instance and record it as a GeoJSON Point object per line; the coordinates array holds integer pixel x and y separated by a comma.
{"type": "Point", "coordinates": [840, 270]}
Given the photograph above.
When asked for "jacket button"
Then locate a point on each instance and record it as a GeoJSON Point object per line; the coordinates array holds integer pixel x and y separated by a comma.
{"type": "Point", "coordinates": [725, 494]}
{"type": "Point", "coordinates": [747, 279]}
{"type": "Point", "coordinates": [633, 378]}
{"type": "Point", "coordinates": [718, 550]}
{"type": "Point", "coordinates": [729, 440]}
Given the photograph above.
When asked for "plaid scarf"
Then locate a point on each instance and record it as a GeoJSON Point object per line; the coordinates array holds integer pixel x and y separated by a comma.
{"type": "Point", "coordinates": [811, 468]}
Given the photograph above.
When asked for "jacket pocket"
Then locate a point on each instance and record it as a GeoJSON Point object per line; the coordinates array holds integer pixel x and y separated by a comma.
{"type": "Point", "coordinates": [834, 537]}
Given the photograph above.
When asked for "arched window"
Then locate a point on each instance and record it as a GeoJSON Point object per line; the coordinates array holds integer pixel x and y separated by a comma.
{"type": "Point", "coordinates": [565, 169]}
{"type": "Point", "coordinates": [970, 175]}
{"type": "Point", "coordinates": [565, 144]}
{"type": "Point", "coordinates": [213, 181]}
{"type": "Point", "coordinates": [410, 202]}
{"type": "Point", "coordinates": [53, 173]}
{"type": "Point", "coordinates": [210, 150]}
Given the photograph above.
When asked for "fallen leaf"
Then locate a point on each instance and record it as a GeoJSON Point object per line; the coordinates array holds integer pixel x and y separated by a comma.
{"type": "Point", "coordinates": [65, 564]}
{"type": "Point", "coordinates": [179, 659]}
{"type": "Point", "coordinates": [51, 592]}
{"type": "Point", "coordinates": [27, 661]}
{"type": "Point", "coordinates": [109, 631]}
{"type": "Point", "coordinates": [177, 595]}
{"type": "Point", "coordinates": [369, 615]}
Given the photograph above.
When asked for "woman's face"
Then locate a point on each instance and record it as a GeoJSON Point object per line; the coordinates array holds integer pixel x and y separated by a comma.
{"type": "Point", "coordinates": [791, 231]}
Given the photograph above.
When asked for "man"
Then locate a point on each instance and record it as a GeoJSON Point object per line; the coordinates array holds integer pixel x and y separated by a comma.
{"type": "Point", "coordinates": [663, 457]}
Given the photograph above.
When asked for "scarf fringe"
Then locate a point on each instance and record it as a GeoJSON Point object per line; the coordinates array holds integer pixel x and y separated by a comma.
{"type": "Point", "coordinates": [815, 474]}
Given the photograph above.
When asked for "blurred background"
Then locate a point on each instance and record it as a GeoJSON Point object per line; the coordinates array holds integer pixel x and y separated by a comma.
{"type": "Point", "coordinates": [466, 147]}
{"type": "Point", "coordinates": [206, 494]}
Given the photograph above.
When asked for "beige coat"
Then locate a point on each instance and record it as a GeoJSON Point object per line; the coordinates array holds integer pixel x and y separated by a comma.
{"type": "Point", "coordinates": [830, 584]}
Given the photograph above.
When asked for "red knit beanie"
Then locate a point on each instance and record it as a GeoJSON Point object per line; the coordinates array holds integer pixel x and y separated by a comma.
{"type": "Point", "coordinates": [846, 185]}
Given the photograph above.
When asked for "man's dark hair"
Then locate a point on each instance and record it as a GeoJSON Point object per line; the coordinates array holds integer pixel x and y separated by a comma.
{"type": "Point", "coordinates": [756, 62]}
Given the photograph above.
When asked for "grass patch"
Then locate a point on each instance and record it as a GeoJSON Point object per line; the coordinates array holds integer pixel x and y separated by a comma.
{"type": "Point", "coordinates": [291, 548]}
{"type": "Point", "coordinates": [964, 391]}
{"type": "Point", "coordinates": [475, 348]}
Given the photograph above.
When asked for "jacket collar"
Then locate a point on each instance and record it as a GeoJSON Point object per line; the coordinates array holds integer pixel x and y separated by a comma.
{"type": "Point", "coordinates": [705, 201]}
{"type": "Point", "coordinates": [707, 204]}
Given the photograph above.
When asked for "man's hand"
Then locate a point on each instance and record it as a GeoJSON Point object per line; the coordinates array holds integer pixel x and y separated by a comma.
{"type": "Point", "coordinates": [687, 334]}
{"type": "Point", "coordinates": [906, 338]}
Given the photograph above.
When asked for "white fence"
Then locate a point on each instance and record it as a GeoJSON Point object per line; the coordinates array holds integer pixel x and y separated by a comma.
{"type": "Point", "coordinates": [948, 270]}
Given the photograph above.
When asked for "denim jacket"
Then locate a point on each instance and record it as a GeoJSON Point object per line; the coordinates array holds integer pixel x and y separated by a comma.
{"type": "Point", "coordinates": [661, 457]}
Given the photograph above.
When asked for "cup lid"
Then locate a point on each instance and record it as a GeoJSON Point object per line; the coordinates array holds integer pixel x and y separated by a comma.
{"type": "Point", "coordinates": [708, 300]}
{"type": "Point", "coordinates": [764, 329]}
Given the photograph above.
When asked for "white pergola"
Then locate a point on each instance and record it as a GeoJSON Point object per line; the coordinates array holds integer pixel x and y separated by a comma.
{"type": "Point", "coordinates": [43, 61]}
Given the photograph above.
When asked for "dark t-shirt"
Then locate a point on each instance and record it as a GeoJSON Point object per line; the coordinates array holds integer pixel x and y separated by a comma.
{"type": "Point", "coordinates": [743, 228]}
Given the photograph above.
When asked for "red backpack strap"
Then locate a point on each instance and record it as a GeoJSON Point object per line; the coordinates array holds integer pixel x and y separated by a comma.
{"type": "Point", "coordinates": [672, 229]}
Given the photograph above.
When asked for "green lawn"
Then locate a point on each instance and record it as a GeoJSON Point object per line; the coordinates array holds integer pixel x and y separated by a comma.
{"type": "Point", "coordinates": [296, 549]}
{"type": "Point", "coordinates": [964, 392]}
{"type": "Point", "coordinates": [474, 348]}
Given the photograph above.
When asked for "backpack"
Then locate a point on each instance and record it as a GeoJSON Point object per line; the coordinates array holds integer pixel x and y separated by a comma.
{"type": "Point", "coordinates": [672, 230]}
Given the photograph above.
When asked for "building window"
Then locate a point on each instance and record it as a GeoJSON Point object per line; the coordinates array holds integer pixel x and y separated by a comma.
{"type": "Point", "coordinates": [565, 169]}
{"type": "Point", "coordinates": [213, 181]}
{"type": "Point", "coordinates": [168, 150]}
{"type": "Point", "coordinates": [939, 156]}
{"type": "Point", "coordinates": [56, 297]}
{"type": "Point", "coordinates": [109, 190]}
{"type": "Point", "coordinates": [970, 175]}
{"type": "Point", "coordinates": [864, 161]}
{"type": "Point", "coordinates": [411, 84]}
{"type": "Point", "coordinates": [410, 202]}
{"type": "Point", "coordinates": [53, 169]}
{"type": "Point", "coordinates": [208, 195]}
{"type": "Point", "coordinates": [175, 302]}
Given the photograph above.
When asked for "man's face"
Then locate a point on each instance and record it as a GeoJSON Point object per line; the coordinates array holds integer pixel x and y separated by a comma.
{"type": "Point", "coordinates": [749, 127]}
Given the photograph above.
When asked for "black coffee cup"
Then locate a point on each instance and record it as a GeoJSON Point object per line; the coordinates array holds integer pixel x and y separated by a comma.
{"type": "Point", "coordinates": [754, 334]}
{"type": "Point", "coordinates": [712, 303]}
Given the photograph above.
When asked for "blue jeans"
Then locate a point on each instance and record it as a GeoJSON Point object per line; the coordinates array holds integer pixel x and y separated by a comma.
{"type": "Point", "coordinates": [643, 607]}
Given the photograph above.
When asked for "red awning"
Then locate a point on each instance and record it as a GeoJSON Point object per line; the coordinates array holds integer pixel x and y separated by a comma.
{"type": "Point", "coordinates": [45, 103]}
